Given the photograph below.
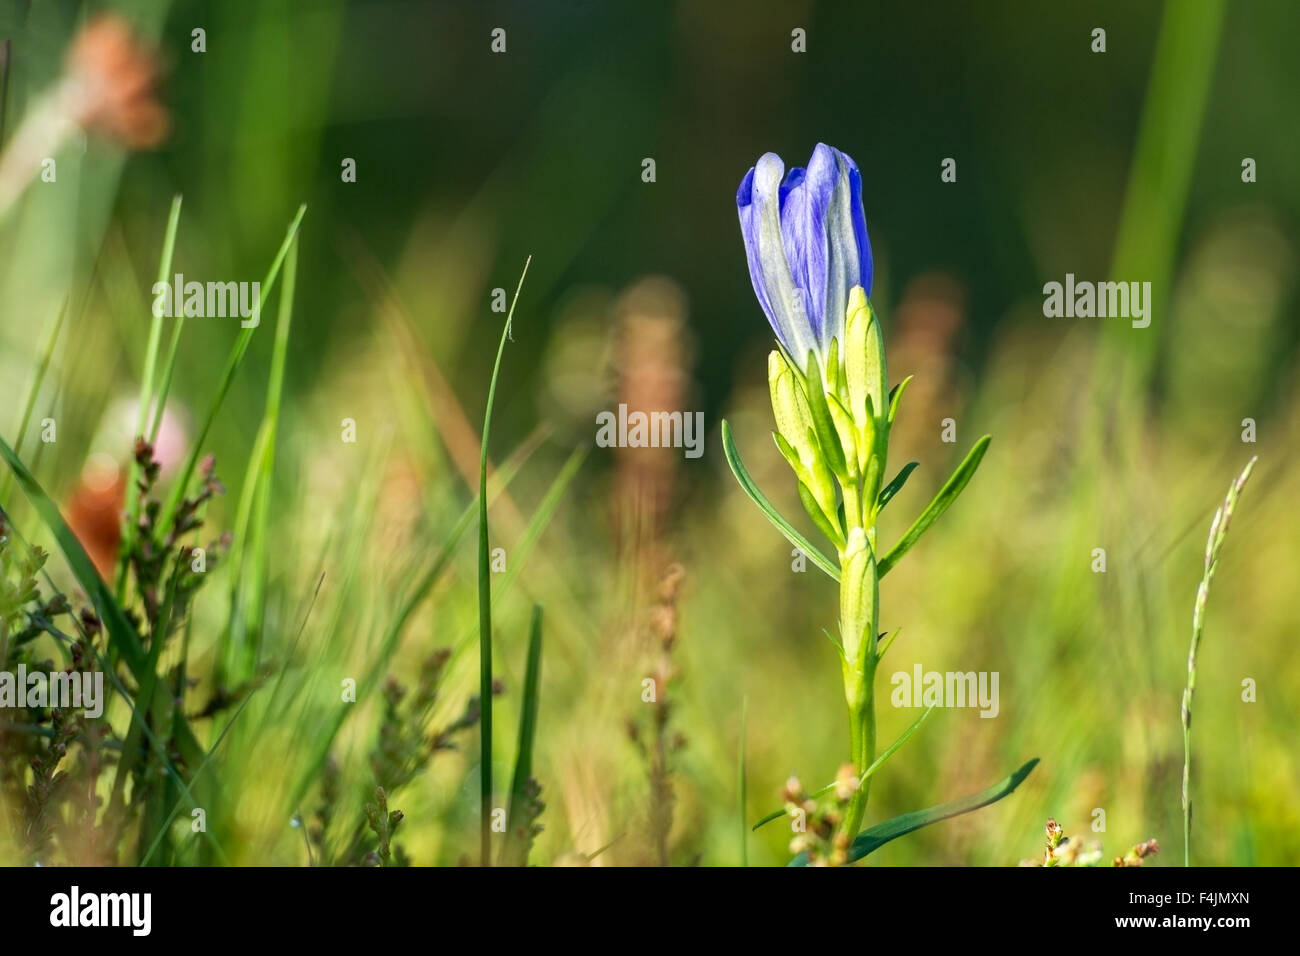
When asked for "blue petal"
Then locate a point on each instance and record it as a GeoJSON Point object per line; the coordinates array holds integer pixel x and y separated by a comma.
{"type": "Point", "coordinates": [866, 267]}
{"type": "Point", "coordinates": [800, 242]}
{"type": "Point", "coordinates": [829, 234]}
{"type": "Point", "coordinates": [807, 246]}
{"type": "Point", "coordinates": [759, 204]}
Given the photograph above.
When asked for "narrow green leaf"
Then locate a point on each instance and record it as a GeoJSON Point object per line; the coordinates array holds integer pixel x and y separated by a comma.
{"type": "Point", "coordinates": [946, 496]}
{"type": "Point", "coordinates": [870, 771]}
{"type": "Point", "coordinates": [29, 404]}
{"type": "Point", "coordinates": [819, 517]}
{"type": "Point", "coordinates": [169, 369]}
{"type": "Point", "coordinates": [212, 751]}
{"type": "Point", "coordinates": [122, 636]}
{"type": "Point", "coordinates": [485, 600]}
{"type": "Point", "coordinates": [895, 486]}
{"type": "Point", "coordinates": [243, 635]}
{"type": "Point", "coordinates": [750, 488]}
{"type": "Point", "coordinates": [131, 523]}
{"type": "Point", "coordinates": [517, 842]}
{"type": "Point", "coordinates": [885, 642]}
{"type": "Point", "coordinates": [893, 748]}
{"type": "Point", "coordinates": [835, 642]}
{"type": "Point", "coordinates": [872, 839]}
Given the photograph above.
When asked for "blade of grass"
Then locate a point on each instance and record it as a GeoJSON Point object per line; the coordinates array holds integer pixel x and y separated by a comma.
{"type": "Point", "coordinates": [169, 368]}
{"type": "Point", "coordinates": [207, 759]}
{"type": "Point", "coordinates": [542, 516]}
{"type": "Point", "coordinates": [485, 601]}
{"type": "Point", "coordinates": [130, 526]}
{"type": "Point", "coordinates": [1213, 547]}
{"type": "Point", "coordinates": [515, 851]}
{"type": "Point", "coordinates": [121, 634]}
{"type": "Point", "coordinates": [322, 742]}
{"type": "Point", "coordinates": [255, 500]}
{"type": "Point", "coordinates": [29, 404]}
{"type": "Point", "coordinates": [233, 362]}
{"type": "Point", "coordinates": [1164, 161]}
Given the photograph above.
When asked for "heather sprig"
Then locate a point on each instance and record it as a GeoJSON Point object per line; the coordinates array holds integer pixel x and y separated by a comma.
{"type": "Point", "coordinates": [402, 750]}
{"type": "Point", "coordinates": [657, 742]}
{"type": "Point", "coordinates": [383, 824]}
{"type": "Point", "coordinates": [1061, 850]}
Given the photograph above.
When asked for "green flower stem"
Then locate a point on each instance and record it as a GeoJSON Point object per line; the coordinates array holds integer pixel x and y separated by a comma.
{"type": "Point", "coordinates": [859, 693]}
{"type": "Point", "coordinates": [852, 504]}
{"type": "Point", "coordinates": [859, 598]}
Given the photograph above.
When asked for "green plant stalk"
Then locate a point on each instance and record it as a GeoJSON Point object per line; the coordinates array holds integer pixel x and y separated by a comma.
{"type": "Point", "coordinates": [859, 600]}
{"type": "Point", "coordinates": [485, 602]}
{"type": "Point", "coordinates": [875, 765]}
{"type": "Point", "coordinates": [1218, 532]}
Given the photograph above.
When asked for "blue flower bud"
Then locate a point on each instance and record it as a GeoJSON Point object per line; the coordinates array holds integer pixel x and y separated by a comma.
{"type": "Point", "coordinates": [807, 247]}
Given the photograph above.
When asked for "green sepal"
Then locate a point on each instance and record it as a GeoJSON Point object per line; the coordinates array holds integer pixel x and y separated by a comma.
{"type": "Point", "coordinates": [790, 407]}
{"type": "Point", "coordinates": [895, 394]}
{"type": "Point", "coordinates": [819, 518]}
{"type": "Point", "coordinates": [834, 379]}
{"type": "Point", "coordinates": [823, 426]}
{"type": "Point", "coordinates": [864, 355]}
{"type": "Point", "coordinates": [847, 434]}
{"type": "Point", "coordinates": [857, 323]}
{"type": "Point", "coordinates": [817, 479]}
{"type": "Point", "coordinates": [778, 521]}
{"type": "Point", "coordinates": [895, 486]}
{"type": "Point", "coordinates": [868, 435]}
